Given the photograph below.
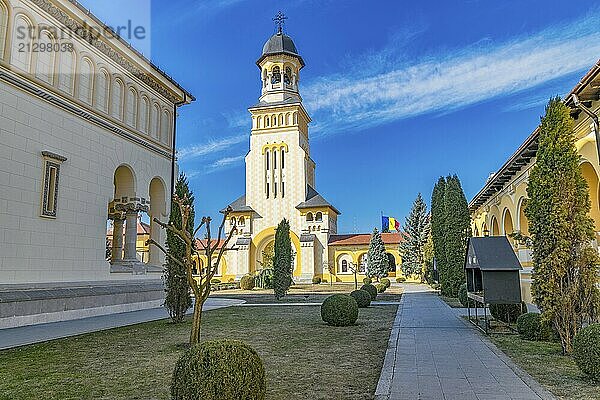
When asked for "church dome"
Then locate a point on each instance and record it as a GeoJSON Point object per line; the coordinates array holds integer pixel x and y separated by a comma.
{"type": "Point", "coordinates": [279, 43]}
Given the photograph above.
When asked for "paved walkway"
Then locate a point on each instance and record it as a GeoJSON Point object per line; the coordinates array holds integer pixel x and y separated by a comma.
{"type": "Point", "coordinates": [435, 354]}
{"type": "Point", "coordinates": [24, 335]}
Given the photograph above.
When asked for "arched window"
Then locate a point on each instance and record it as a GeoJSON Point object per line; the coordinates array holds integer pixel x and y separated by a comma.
{"type": "Point", "coordinates": [258, 122]}
{"type": "Point", "coordinates": [280, 119]}
{"type": "Point", "coordinates": [362, 266]}
{"type": "Point", "coordinates": [156, 121]}
{"type": "Point", "coordinates": [273, 120]}
{"type": "Point", "coordinates": [86, 74]}
{"type": "Point", "coordinates": [391, 262]}
{"type": "Point", "coordinates": [274, 159]}
{"type": "Point", "coordinates": [117, 99]}
{"type": "Point", "coordinates": [282, 158]}
{"type": "Point", "coordinates": [232, 221]}
{"type": "Point", "coordinates": [144, 114]}
{"type": "Point", "coordinates": [21, 57]}
{"type": "Point", "coordinates": [309, 217]}
{"type": "Point", "coordinates": [242, 221]}
{"type": "Point", "coordinates": [165, 127]}
{"type": "Point", "coordinates": [287, 119]}
{"type": "Point", "coordinates": [101, 91]}
{"type": "Point", "coordinates": [267, 121]}
{"type": "Point", "coordinates": [3, 27]}
{"type": "Point", "coordinates": [287, 77]}
{"type": "Point", "coordinates": [276, 75]}
{"type": "Point", "coordinates": [295, 118]}
{"type": "Point", "coordinates": [66, 71]}
{"type": "Point", "coordinates": [319, 216]}
{"type": "Point", "coordinates": [44, 66]}
{"type": "Point", "coordinates": [131, 110]}
{"type": "Point", "coordinates": [344, 266]}
{"type": "Point", "coordinates": [267, 159]}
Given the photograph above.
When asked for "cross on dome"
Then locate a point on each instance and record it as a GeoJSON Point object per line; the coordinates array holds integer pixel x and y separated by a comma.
{"type": "Point", "coordinates": [280, 21]}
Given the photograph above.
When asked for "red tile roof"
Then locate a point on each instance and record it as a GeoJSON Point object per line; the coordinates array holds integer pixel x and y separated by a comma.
{"type": "Point", "coordinates": [142, 229]}
{"type": "Point", "coordinates": [199, 243]}
{"type": "Point", "coordinates": [363, 239]}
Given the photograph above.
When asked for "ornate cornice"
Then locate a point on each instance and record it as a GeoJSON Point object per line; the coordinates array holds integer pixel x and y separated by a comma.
{"type": "Point", "coordinates": [92, 117]}
{"type": "Point", "coordinates": [54, 156]}
{"type": "Point", "coordinates": [86, 34]}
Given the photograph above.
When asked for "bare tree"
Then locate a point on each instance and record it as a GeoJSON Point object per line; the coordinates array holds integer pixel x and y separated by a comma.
{"type": "Point", "coordinates": [200, 285]}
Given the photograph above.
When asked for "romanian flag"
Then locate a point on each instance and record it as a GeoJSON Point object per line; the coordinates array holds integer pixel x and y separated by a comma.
{"type": "Point", "coordinates": [389, 224]}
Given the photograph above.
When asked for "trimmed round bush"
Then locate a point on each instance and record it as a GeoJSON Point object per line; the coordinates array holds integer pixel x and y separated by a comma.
{"type": "Point", "coordinates": [339, 310]}
{"type": "Point", "coordinates": [508, 313]}
{"type": "Point", "coordinates": [367, 280]}
{"type": "Point", "coordinates": [215, 281]}
{"type": "Point", "coordinates": [586, 350]}
{"type": "Point", "coordinates": [529, 326]}
{"type": "Point", "coordinates": [386, 282]}
{"type": "Point", "coordinates": [371, 289]}
{"type": "Point", "coordinates": [316, 280]}
{"type": "Point", "coordinates": [380, 288]}
{"type": "Point", "coordinates": [219, 370]}
{"type": "Point", "coordinates": [401, 279]}
{"type": "Point", "coordinates": [362, 297]}
{"type": "Point", "coordinates": [247, 282]}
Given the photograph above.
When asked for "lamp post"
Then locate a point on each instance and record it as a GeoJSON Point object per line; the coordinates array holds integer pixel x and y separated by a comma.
{"type": "Point", "coordinates": [354, 270]}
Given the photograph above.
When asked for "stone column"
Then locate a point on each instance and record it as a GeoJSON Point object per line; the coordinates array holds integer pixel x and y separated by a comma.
{"type": "Point", "coordinates": [131, 216]}
{"type": "Point", "coordinates": [117, 239]}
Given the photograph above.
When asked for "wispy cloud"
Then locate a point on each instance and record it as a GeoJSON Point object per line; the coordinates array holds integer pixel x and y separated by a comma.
{"type": "Point", "coordinates": [450, 81]}
{"type": "Point", "coordinates": [220, 164]}
{"type": "Point", "coordinates": [208, 148]}
{"type": "Point", "coordinates": [382, 87]}
{"type": "Point", "coordinates": [205, 8]}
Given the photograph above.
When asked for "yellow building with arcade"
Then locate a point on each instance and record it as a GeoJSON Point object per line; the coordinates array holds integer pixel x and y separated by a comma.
{"type": "Point", "coordinates": [498, 208]}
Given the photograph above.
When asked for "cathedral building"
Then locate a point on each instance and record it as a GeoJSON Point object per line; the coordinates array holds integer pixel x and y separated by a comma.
{"type": "Point", "coordinates": [280, 183]}
{"type": "Point", "coordinates": [87, 127]}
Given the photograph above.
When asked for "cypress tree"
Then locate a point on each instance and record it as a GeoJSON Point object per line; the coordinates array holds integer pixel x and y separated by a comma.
{"type": "Point", "coordinates": [565, 264]}
{"type": "Point", "coordinates": [377, 260]}
{"type": "Point", "coordinates": [457, 222]}
{"type": "Point", "coordinates": [282, 263]}
{"type": "Point", "coordinates": [438, 225]}
{"type": "Point", "coordinates": [178, 299]}
{"type": "Point", "coordinates": [414, 235]}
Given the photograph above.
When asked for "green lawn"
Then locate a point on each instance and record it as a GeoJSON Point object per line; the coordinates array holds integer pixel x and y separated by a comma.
{"type": "Point", "coordinates": [545, 362]}
{"type": "Point", "coordinates": [304, 358]}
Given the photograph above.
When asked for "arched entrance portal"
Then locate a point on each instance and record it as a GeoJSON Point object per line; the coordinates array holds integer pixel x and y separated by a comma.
{"type": "Point", "coordinates": [264, 241]}
{"type": "Point", "coordinates": [590, 176]}
{"type": "Point", "coordinates": [158, 209]}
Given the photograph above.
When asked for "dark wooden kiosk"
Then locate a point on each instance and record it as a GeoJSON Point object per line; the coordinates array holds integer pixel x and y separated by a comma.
{"type": "Point", "coordinates": [492, 273]}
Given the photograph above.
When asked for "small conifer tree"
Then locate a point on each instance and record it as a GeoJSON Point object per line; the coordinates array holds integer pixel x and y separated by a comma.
{"type": "Point", "coordinates": [282, 262]}
{"type": "Point", "coordinates": [414, 237]}
{"type": "Point", "coordinates": [377, 260]}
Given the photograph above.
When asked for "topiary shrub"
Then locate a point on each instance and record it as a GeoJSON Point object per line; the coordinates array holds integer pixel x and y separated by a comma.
{"type": "Point", "coordinates": [386, 282]}
{"type": "Point", "coordinates": [586, 350]}
{"type": "Point", "coordinates": [367, 280]}
{"type": "Point", "coordinates": [529, 326]}
{"type": "Point", "coordinates": [380, 288]}
{"type": "Point", "coordinates": [339, 310]}
{"type": "Point", "coordinates": [371, 289]}
{"type": "Point", "coordinates": [401, 279]}
{"type": "Point", "coordinates": [215, 281]}
{"type": "Point", "coordinates": [508, 313]}
{"type": "Point", "coordinates": [362, 297]}
{"type": "Point", "coordinates": [247, 282]}
{"type": "Point", "coordinates": [219, 369]}
{"type": "Point", "coordinates": [316, 280]}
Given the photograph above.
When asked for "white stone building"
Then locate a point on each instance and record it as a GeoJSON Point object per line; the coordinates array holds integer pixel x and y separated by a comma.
{"type": "Point", "coordinates": [85, 135]}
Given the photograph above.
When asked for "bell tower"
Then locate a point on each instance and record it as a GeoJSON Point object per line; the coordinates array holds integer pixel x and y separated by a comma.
{"type": "Point", "coordinates": [278, 167]}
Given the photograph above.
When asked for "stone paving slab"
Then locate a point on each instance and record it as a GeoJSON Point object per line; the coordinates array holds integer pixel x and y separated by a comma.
{"type": "Point", "coordinates": [434, 354]}
{"type": "Point", "coordinates": [21, 336]}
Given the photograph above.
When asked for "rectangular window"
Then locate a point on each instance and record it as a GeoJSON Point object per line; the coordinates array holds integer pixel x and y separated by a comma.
{"type": "Point", "coordinates": [274, 159]}
{"type": "Point", "coordinates": [275, 190]}
{"type": "Point", "coordinates": [267, 155]}
{"type": "Point", "coordinates": [282, 159]}
{"type": "Point", "coordinates": [282, 189]}
{"type": "Point", "coordinates": [51, 163]}
{"type": "Point", "coordinates": [267, 190]}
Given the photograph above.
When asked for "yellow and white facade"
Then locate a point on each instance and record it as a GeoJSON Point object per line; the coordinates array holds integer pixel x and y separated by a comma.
{"type": "Point", "coordinates": [498, 208]}
{"type": "Point", "coordinates": [280, 174]}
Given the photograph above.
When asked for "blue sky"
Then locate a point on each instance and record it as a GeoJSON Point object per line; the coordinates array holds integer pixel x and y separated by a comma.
{"type": "Point", "coordinates": [399, 92]}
